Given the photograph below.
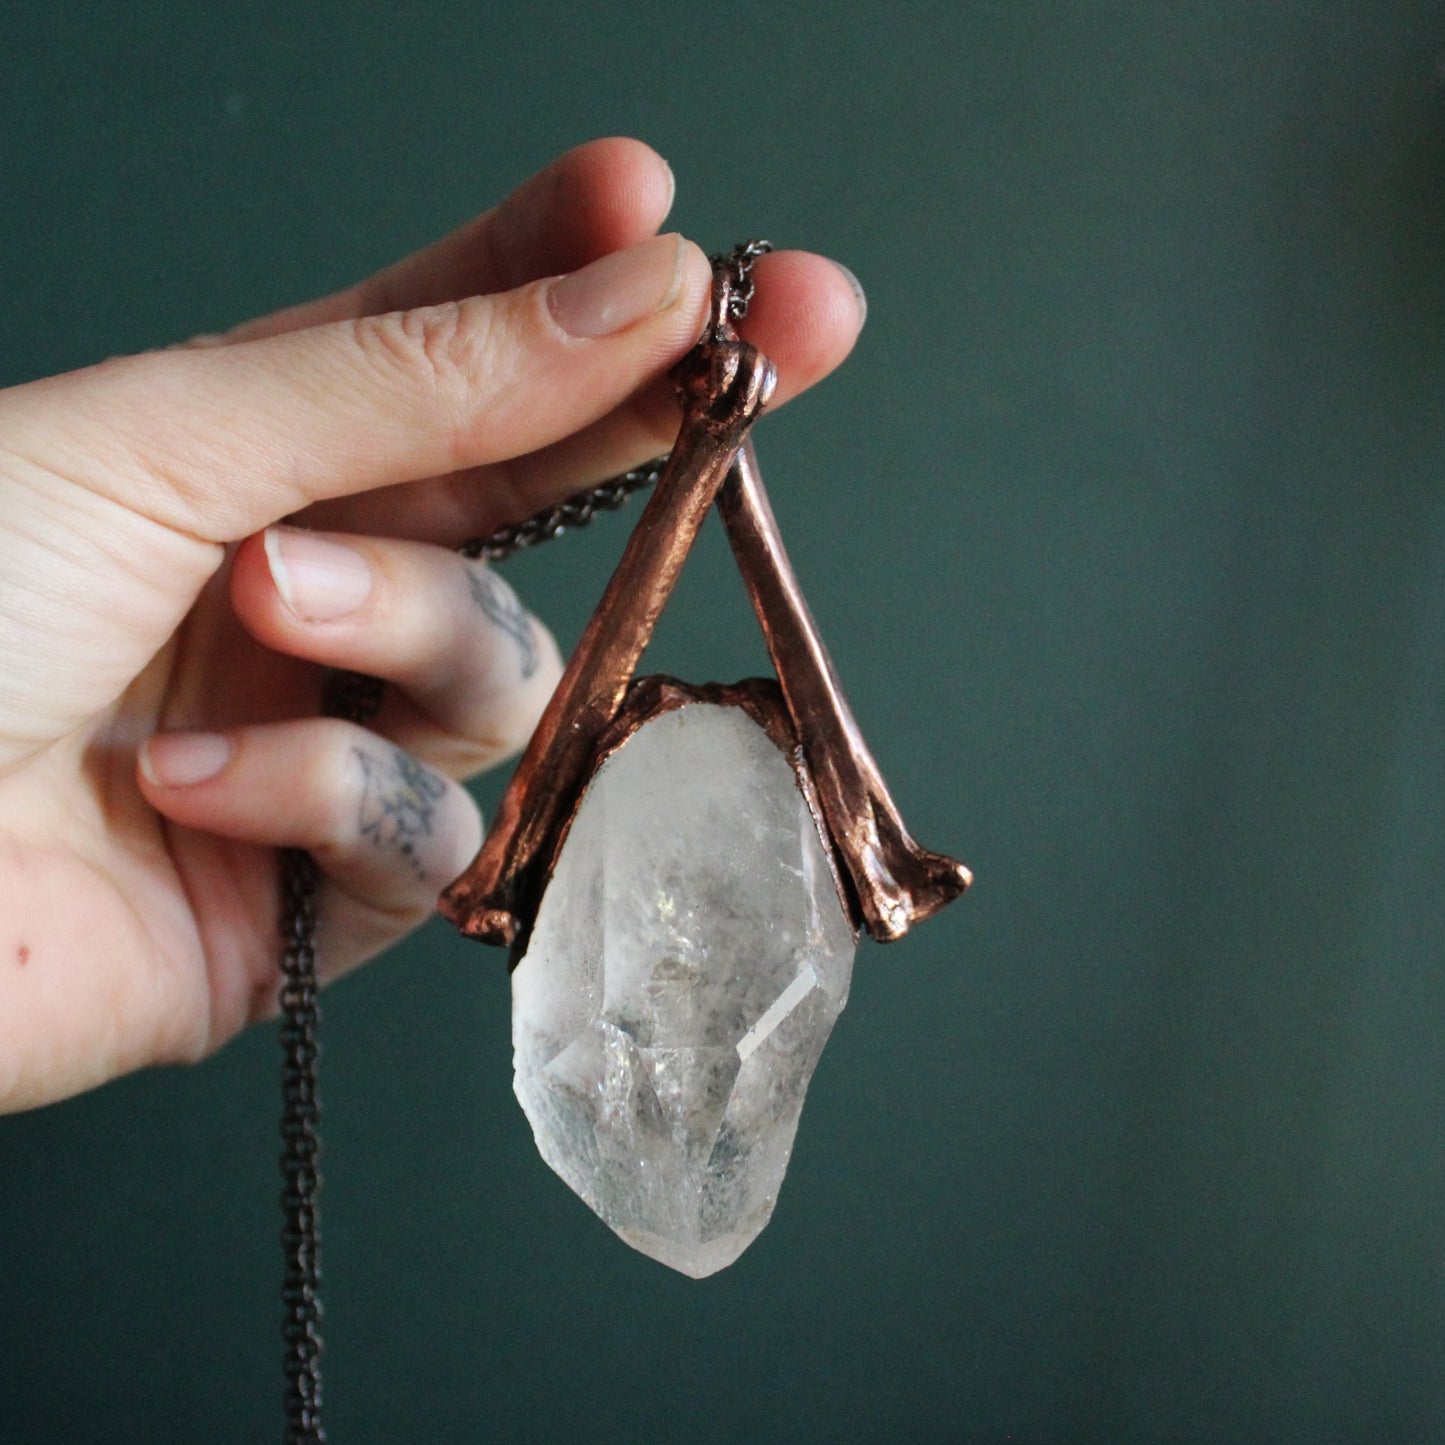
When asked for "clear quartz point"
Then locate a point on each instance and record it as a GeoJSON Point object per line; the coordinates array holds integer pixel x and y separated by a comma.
{"type": "Point", "coordinates": [689, 959]}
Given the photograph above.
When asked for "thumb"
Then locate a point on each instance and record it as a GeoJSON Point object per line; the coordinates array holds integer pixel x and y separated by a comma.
{"type": "Point", "coordinates": [218, 442]}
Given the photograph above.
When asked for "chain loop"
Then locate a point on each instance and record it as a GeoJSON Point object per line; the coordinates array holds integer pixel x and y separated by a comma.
{"type": "Point", "coordinates": [568, 516]}
{"type": "Point", "coordinates": [300, 1118]}
{"type": "Point", "coordinates": [356, 698]}
{"type": "Point", "coordinates": [738, 266]}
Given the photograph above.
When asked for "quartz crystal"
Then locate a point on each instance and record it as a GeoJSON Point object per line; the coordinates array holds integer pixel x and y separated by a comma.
{"type": "Point", "coordinates": [689, 959]}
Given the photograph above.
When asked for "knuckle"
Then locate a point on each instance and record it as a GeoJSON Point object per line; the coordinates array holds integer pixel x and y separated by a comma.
{"type": "Point", "coordinates": [407, 817]}
{"type": "Point", "coordinates": [436, 347]}
{"type": "Point", "coordinates": [549, 670]}
{"type": "Point", "coordinates": [511, 731]}
{"type": "Point", "coordinates": [472, 735]}
{"type": "Point", "coordinates": [484, 747]}
{"type": "Point", "coordinates": [515, 717]}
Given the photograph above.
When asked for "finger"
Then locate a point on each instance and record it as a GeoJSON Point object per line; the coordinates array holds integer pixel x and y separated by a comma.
{"type": "Point", "coordinates": [806, 315]}
{"type": "Point", "coordinates": [476, 669]}
{"type": "Point", "coordinates": [388, 832]}
{"type": "Point", "coordinates": [218, 443]}
{"type": "Point", "coordinates": [601, 197]}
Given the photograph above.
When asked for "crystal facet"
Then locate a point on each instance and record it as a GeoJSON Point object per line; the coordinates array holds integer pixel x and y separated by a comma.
{"type": "Point", "coordinates": [689, 959]}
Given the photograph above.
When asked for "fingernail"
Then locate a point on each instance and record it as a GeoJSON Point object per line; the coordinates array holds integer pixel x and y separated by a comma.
{"type": "Point", "coordinates": [671, 186]}
{"type": "Point", "coordinates": [852, 280]}
{"type": "Point", "coordinates": [619, 290]}
{"type": "Point", "coordinates": [317, 579]}
{"type": "Point", "coordinates": [176, 760]}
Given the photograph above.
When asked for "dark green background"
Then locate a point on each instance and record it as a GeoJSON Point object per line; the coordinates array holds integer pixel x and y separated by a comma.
{"type": "Point", "coordinates": [1126, 525]}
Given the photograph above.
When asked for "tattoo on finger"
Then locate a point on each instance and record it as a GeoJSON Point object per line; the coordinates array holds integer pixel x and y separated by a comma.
{"type": "Point", "coordinates": [499, 603]}
{"type": "Point", "coordinates": [399, 800]}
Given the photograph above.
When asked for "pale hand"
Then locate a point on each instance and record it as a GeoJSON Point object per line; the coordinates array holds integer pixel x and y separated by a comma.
{"type": "Point", "coordinates": [161, 638]}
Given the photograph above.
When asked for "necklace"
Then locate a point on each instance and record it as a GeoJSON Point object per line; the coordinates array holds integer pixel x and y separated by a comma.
{"type": "Point", "coordinates": [679, 872]}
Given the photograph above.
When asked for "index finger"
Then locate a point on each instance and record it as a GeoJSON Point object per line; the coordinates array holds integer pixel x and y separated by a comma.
{"type": "Point", "coordinates": [600, 197]}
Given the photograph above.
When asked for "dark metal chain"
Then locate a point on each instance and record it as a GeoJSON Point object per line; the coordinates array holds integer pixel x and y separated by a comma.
{"type": "Point", "coordinates": [566, 516]}
{"type": "Point", "coordinates": [739, 263]}
{"type": "Point", "coordinates": [300, 1146]}
{"type": "Point", "coordinates": [356, 697]}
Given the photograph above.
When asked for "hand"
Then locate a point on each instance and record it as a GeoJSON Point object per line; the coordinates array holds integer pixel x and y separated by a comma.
{"type": "Point", "coordinates": [161, 638]}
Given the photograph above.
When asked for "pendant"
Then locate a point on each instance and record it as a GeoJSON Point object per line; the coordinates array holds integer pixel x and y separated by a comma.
{"type": "Point", "coordinates": [681, 873]}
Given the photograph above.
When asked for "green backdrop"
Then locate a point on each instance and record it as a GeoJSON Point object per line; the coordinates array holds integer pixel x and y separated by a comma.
{"type": "Point", "coordinates": [1126, 525]}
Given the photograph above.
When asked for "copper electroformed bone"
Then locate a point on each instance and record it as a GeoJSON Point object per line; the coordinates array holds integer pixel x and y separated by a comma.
{"type": "Point", "coordinates": [725, 384]}
{"type": "Point", "coordinates": [897, 883]}
{"type": "Point", "coordinates": [887, 882]}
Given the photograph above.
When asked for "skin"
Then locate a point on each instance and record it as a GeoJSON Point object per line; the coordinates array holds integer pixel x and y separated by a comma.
{"type": "Point", "coordinates": [139, 597]}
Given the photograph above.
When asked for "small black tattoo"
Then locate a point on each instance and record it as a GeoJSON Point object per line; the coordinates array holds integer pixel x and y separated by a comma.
{"type": "Point", "coordinates": [500, 604]}
{"type": "Point", "coordinates": [398, 803]}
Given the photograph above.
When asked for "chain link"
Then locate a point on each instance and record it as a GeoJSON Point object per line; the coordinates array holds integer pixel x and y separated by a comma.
{"type": "Point", "coordinates": [356, 698]}
{"type": "Point", "coordinates": [301, 1144]}
{"type": "Point", "coordinates": [568, 516]}
{"type": "Point", "coordinates": [739, 263]}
